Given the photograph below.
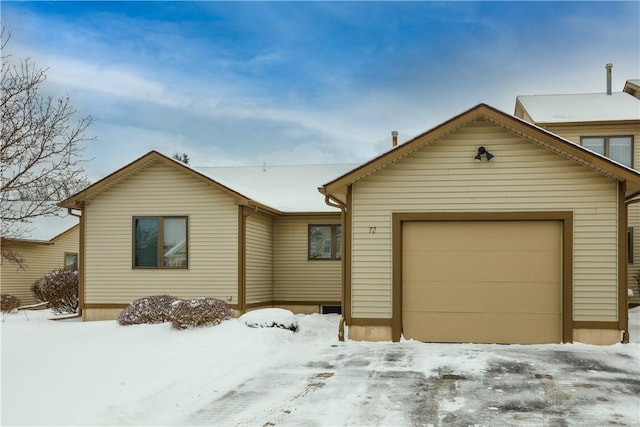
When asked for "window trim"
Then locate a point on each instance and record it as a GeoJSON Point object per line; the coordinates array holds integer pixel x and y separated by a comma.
{"type": "Point", "coordinates": [160, 250]}
{"type": "Point", "coordinates": [607, 150]}
{"type": "Point", "coordinates": [334, 243]}
{"type": "Point", "coordinates": [630, 245]}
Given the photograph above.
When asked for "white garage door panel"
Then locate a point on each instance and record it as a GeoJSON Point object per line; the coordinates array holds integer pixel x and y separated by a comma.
{"type": "Point", "coordinates": [482, 281]}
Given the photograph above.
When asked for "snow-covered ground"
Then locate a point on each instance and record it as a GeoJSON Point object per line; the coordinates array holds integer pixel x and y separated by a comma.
{"type": "Point", "coordinates": [100, 373]}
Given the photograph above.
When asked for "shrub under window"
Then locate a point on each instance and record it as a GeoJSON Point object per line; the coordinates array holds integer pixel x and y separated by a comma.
{"type": "Point", "coordinates": [160, 242]}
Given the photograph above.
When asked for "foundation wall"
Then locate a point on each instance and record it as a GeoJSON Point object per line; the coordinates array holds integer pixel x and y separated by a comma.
{"type": "Point", "coordinates": [597, 336]}
{"type": "Point", "coordinates": [91, 314]}
{"type": "Point", "coordinates": [369, 333]}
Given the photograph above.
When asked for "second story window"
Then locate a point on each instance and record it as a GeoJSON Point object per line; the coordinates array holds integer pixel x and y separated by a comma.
{"type": "Point", "coordinates": [618, 148]}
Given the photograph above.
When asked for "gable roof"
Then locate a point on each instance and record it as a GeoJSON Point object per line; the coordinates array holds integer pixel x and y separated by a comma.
{"type": "Point", "coordinates": [527, 131]}
{"type": "Point", "coordinates": [278, 189]}
{"type": "Point", "coordinates": [288, 188]}
{"type": "Point", "coordinates": [584, 107]}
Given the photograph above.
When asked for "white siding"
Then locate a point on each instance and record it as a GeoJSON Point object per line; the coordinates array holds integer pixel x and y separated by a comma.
{"type": "Point", "coordinates": [296, 278]}
{"type": "Point", "coordinates": [259, 259]}
{"type": "Point", "coordinates": [521, 177]}
{"type": "Point", "coordinates": [161, 190]}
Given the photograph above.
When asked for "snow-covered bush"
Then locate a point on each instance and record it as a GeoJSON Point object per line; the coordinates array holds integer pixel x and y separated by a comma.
{"type": "Point", "coordinates": [270, 318]}
{"type": "Point", "coordinates": [153, 309]}
{"type": "Point", "coordinates": [60, 289]}
{"type": "Point", "coordinates": [37, 292]}
{"type": "Point", "coordinates": [8, 303]}
{"type": "Point", "coordinates": [199, 312]}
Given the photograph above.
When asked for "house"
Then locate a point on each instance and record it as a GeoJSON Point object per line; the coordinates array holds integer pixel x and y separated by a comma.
{"type": "Point", "coordinates": [486, 228]}
{"type": "Point", "coordinates": [251, 236]}
{"type": "Point", "coordinates": [607, 123]}
{"type": "Point", "coordinates": [40, 257]}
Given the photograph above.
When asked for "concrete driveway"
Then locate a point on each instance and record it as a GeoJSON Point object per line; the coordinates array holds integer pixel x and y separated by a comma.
{"type": "Point", "coordinates": [420, 384]}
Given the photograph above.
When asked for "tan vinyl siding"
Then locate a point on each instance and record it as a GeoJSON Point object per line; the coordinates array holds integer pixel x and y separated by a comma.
{"type": "Point", "coordinates": [295, 277]}
{"type": "Point", "coordinates": [634, 221]}
{"type": "Point", "coordinates": [259, 259]}
{"type": "Point", "coordinates": [39, 260]}
{"type": "Point", "coordinates": [161, 190]}
{"type": "Point", "coordinates": [574, 132]}
{"type": "Point", "coordinates": [521, 177]}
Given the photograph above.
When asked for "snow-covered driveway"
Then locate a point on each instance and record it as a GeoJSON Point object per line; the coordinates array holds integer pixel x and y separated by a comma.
{"type": "Point", "coordinates": [99, 373]}
{"type": "Point", "coordinates": [418, 384]}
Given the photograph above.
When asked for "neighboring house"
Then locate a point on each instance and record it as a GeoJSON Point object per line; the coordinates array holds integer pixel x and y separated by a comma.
{"type": "Point", "coordinates": [40, 257]}
{"type": "Point", "coordinates": [527, 247]}
{"type": "Point", "coordinates": [251, 236]}
{"type": "Point", "coordinates": [606, 123]}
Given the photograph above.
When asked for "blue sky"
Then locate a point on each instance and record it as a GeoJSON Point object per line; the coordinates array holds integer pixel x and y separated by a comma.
{"type": "Point", "coordinates": [307, 82]}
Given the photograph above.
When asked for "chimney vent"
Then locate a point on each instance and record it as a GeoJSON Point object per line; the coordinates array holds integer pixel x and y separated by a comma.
{"type": "Point", "coordinates": [394, 138]}
{"type": "Point", "coordinates": [609, 70]}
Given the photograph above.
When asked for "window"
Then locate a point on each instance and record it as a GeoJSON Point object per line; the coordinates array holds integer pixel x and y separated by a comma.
{"type": "Point", "coordinates": [630, 245]}
{"type": "Point", "coordinates": [160, 242]}
{"type": "Point", "coordinates": [618, 148]}
{"type": "Point", "coordinates": [325, 241]}
{"type": "Point", "coordinates": [71, 260]}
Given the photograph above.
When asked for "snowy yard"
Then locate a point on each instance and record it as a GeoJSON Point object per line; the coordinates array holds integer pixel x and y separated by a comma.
{"type": "Point", "coordinates": [100, 373]}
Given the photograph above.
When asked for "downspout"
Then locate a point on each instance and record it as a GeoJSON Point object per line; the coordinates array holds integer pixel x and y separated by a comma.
{"type": "Point", "coordinates": [80, 262]}
{"type": "Point", "coordinates": [333, 202]}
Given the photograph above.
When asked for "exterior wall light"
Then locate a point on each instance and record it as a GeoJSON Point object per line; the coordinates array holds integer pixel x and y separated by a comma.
{"type": "Point", "coordinates": [483, 152]}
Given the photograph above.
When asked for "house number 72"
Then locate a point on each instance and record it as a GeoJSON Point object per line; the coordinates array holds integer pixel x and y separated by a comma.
{"type": "Point", "coordinates": [372, 230]}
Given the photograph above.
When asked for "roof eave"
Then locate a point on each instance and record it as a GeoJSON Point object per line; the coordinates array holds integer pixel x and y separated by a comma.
{"type": "Point", "coordinates": [508, 122]}
{"type": "Point", "coordinates": [590, 123]}
{"type": "Point", "coordinates": [78, 200]}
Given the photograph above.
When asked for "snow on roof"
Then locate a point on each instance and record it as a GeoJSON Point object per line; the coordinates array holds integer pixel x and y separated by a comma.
{"type": "Point", "coordinates": [289, 188]}
{"type": "Point", "coordinates": [634, 81]}
{"type": "Point", "coordinates": [585, 107]}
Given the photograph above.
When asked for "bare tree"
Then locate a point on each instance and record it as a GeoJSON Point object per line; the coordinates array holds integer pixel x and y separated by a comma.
{"type": "Point", "coordinates": [41, 149]}
{"type": "Point", "coordinates": [181, 157]}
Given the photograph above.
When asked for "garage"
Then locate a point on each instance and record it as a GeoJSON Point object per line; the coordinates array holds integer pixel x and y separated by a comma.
{"type": "Point", "coordinates": [482, 281]}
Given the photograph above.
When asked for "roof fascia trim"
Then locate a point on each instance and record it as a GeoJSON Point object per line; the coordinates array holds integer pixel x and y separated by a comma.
{"type": "Point", "coordinates": [529, 131]}
{"type": "Point", "coordinates": [78, 199]}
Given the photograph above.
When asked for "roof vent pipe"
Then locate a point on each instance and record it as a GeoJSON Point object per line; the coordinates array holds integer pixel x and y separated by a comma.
{"type": "Point", "coordinates": [394, 138]}
{"type": "Point", "coordinates": [609, 69]}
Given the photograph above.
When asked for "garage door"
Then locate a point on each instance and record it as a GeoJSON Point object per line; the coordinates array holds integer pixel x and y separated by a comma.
{"type": "Point", "coordinates": [482, 281]}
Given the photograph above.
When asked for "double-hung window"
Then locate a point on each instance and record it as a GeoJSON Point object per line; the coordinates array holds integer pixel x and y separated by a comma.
{"type": "Point", "coordinates": [160, 242]}
{"type": "Point", "coordinates": [618, 148]}
{"type": "Point", "coordinates": [325, 241]}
